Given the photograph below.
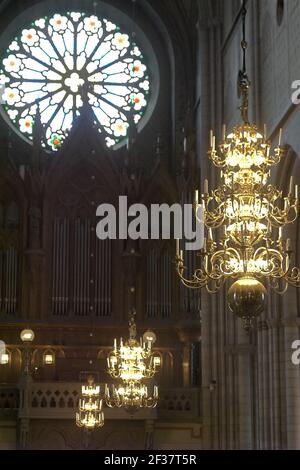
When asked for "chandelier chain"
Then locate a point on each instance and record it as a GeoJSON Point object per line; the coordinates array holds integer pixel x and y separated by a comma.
{"type": "Point", "coordinates": [244, 82]}
{"type": "Point", "coordinates": [244, 43]}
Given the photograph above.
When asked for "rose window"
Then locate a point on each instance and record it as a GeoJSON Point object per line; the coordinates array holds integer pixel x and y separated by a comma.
{"type": "Point", "coordinates": [58, 63]}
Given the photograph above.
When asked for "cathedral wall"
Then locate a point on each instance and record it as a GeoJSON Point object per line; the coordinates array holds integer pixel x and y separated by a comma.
{"type": "Point", "coordinates": [255, 402]}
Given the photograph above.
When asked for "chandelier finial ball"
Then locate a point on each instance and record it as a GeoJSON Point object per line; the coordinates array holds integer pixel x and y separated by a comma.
{"type": "Point", "coordinates": [246, 297]}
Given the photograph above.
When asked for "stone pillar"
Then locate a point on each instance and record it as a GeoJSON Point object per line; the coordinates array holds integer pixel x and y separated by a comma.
{"type": "Point", "coordinates": [292, 387]}
{"type": "Point", "coordinates": [34, 262]}
{"type": "Point", "coordinates": [206, 396]}
{"type": "Point", "coordinates": [149, 434]}
{"type": "Point", "coordinates": [189, 331]}
{"type": "Point", "coordinates": [261, 388]}
{"type": "Point", "coordinates": [24, 386]}
{"type": "Point", "coordinates": [244, 374]}
{"type": "Point", "coordinates": [291, 332]}
{"type": "Point", "coordinates": [24, 410]}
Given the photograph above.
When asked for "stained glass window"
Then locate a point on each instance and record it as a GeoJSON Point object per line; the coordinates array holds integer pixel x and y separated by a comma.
{"type": "Point", "coordinates": [59, 62]}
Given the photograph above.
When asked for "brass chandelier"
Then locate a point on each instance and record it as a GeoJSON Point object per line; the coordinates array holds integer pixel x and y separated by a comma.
{"type": "Point", "coordinates": [132, 362]}
{"type": "Point", "coordinates": [131, 396]}
{"type": "Point", "coordinates": [248, 215]}
{"type": "Point", "coordinates": [90, 414]}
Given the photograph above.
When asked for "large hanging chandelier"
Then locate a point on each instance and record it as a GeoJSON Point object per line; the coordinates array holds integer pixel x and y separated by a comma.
{"type": "Point", "coordinates": [248, 215]}
{"type": "Point", "coordinates": [132, 362]}
{"type": "Point", "coordinates": [90, 414]}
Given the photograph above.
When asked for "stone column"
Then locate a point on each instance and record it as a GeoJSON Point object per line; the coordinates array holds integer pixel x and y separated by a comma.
{"type": "Point", "coordinates": [292, 386]}
{"type": "Point", "coordinates": [24, 386]}
{"type": "Point", "coordinates": [149, 434]}
{"type": "Point", "coordinates": [24, 410]}
{"type": "Point", "coordinates": [291, 332]}
{"type": "Point", "coordinates": [206, 397]}
{"type": "Point", "coordinates": [34, 263]}
{"type": "Point", "coordinates": [244, 351]}
{"type": "Point", "coordinates": [189, 331]}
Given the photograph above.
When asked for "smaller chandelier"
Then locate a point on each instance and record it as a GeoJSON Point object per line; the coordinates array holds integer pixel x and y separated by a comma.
{"type": "Point", "coordinates": [132, 360]}
{"type": "Point", "coordinates": [132, 396]}
{"type": "Point", "coordinates": [90, 414]}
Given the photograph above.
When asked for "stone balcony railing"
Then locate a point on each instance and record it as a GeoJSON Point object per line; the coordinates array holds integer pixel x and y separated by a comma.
{"type": "Point", "coordinates": [9, 399]}
{"type": "Point", "coordinates": [180, 403]}
{"type": "Point", "coordinates": [59, 400]}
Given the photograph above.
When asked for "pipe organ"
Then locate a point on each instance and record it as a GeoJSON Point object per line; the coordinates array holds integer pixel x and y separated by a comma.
{"type": "Point", "coordinates": [9, 270]}
{"type": "Point", "coordinates": [9, 257]}
{"type": "Point", "coordinates": [190, 299]}
{"type": "Point", "coordinates": [81, 270]}
{"type": "Point", "coordinates": [159, 283]}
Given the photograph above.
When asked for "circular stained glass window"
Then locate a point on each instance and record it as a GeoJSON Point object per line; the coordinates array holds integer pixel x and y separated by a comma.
{"type": "Point", "coordinates": [59, 62]}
